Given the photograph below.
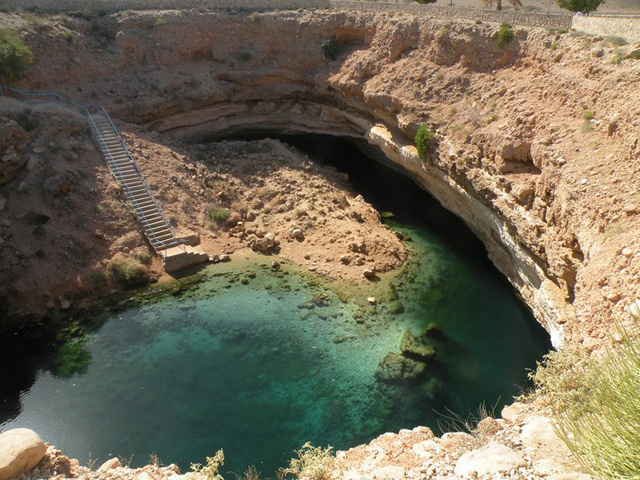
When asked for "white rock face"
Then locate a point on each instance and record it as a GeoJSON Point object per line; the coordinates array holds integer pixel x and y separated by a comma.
{"type": "Point", "coordinates": [490, 460]}
{"type": "Point", "coordinates": [539, 437]}
{"type": "Point", "coordinates": [20, 450]}
{"type": "Point", "coordinates": [110, 465]}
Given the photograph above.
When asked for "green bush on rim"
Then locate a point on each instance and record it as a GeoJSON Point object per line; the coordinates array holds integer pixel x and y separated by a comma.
{"type": "Point", "coordinates": [15, 56]}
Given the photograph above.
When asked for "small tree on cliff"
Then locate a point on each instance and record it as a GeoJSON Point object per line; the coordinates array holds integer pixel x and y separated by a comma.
{"type": "Point", "coordinates": [584, 6]}
{"type": "Point", "coordinates": [517, 4]}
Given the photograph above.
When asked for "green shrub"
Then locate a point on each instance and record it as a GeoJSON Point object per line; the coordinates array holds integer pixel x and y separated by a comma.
{"type": "Point", "coordinates": [143, 257]}
{"type": "Point", "coordinates": [210, 470]}
{"type": "Point", "coordinates": [127, 272]}
{"type": "Point", "coordinates": [614, 41]}
{"type": "Point", "coordinates": [635, 55]}
{"type": "Point", "coordinates": [244, 56]}
{"type": "Point", "coordinates": [617, 59]}
{"type": "Point", "coordinates": [588, 115]}
{"type": "Point", "coordinates": [603, 429]}
{"type": "Point", "coordinates": [505, 34]}
{"type": "Point", "coordinates": [217, 216]}
{"type": "Point", "coordinates": [586, 127]}
{"type": "Point", "coordinates": [553, 46]}
{"type": "Point", "coordinates": [424, 137]}
{"type": "Point", "coordinates": [562, 378]}
{"type": "Point", "coordinates": [492, 118]}
{"type": "Point", "coordinates": [584, 6]}
{"type": "Point", "coordinates": [313, 463]}
{"type": "Point", "coordinates": [161, 22]}
{"type": "Point", "coordinates": [330, 48]}
{"type": "Point", "coordinates": [15, 56]}
{"type": "Point", "coordinates": [68, 36]}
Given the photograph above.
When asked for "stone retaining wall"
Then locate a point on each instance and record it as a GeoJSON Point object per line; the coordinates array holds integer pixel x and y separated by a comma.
{"type": "Point", "coordinates": [453, 13]}
{"type": "Point", "coordinates": [447, 13]}
{"type": "Point", "coordinates": [116, 5]}
{"type": "Point", "coordinates": [619, 26]}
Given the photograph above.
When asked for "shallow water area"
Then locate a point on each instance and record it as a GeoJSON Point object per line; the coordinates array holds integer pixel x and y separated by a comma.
{"type": "Point", "coordinates": [259, 361]}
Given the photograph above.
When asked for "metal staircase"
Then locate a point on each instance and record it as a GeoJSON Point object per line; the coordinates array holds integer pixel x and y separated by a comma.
{"type": "Point", "coordinates": [175, 252]}
{"type": "Point", "coordinates": [152, 219]}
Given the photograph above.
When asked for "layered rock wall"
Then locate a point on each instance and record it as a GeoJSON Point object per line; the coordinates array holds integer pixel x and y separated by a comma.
{"type": "Point", "coordinates": [553, 195]}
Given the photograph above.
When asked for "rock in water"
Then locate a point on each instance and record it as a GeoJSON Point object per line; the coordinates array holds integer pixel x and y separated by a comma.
{"type": "Point", "coordinates": [20, 450]}
{"type": "Point", "coordinates": [414, 347]}
{"type": "Point", "coordinates": [394, 368]}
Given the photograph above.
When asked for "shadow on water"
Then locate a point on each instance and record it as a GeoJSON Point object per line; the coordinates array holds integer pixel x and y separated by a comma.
{"type": "Point", "coordinates": [258, 362]}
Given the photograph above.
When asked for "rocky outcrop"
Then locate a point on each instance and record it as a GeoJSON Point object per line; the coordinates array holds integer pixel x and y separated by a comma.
{"type": "Point", "coordinates": [20, 450]}
{"type": "Point", "coordinates": [522, 445]}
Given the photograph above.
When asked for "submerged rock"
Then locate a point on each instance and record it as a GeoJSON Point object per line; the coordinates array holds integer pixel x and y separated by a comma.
{"type": "Point", "coordinates": [396, 368]}
{"type": "Point", "coordinates": [396, 307]}
{"type": "Point", "coordinates": [415, 347]}
{"type": "Point", "coordinates": [20, 450]}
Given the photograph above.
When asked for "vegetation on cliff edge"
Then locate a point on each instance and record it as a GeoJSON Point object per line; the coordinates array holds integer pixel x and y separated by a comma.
{"type": "Point", "coordinates": [15, 56]}
{"type": "Point", "coordinates": [597, 402]}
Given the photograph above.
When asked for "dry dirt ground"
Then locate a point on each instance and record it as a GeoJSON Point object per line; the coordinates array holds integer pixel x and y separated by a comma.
{"type": "Point", "coordinates": [63, 216]}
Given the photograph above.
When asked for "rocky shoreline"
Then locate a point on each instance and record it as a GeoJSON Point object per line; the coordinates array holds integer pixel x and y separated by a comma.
{"type": "Point", "coordinates": [521, 444]}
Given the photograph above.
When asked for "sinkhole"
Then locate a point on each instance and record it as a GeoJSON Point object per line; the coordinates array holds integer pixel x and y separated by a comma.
{"type": "Point", "coordinates": [258, 361]}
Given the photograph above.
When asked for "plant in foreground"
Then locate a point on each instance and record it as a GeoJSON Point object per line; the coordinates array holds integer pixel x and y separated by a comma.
{"type": "Point", "coordinates": [599, 415]}
{"type": "Point", "coordinates": [424, 137]}
{"type": "Point", "coordinates": [313, 463]}
{"type": "Point", "coordinates": [210, 470]}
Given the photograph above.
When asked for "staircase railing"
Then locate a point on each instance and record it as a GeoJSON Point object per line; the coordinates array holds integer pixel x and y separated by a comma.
{"type": "Point", "coordinates": [47, 96]}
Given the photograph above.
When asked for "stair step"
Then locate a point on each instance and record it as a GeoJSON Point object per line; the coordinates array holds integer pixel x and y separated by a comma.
{"type": "Point", "coordinates": [148, 209]}
{"type": "Point", "coordinates": [153, 219]}
{"type": "Point", "coordinates": [121, 162]}
{"type": "Point", "coordinates": [128, 172]}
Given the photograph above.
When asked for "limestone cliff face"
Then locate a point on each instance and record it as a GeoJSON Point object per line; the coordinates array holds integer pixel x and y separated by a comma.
{"type": "Point", "coordinates": [554, 197]}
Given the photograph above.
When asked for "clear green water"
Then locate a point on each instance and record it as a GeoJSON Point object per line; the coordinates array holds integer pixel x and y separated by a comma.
{"type": "Point", "coordinates": [239, 365]}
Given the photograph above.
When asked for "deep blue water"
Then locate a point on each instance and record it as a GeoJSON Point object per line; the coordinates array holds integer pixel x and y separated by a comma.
{"type": "Point", "coordinates": [247, 368]}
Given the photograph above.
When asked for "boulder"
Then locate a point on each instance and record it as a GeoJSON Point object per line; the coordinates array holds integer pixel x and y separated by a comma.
{"type": "Point", "coordinates": [489, 461]}
{"type": "Point", "coordinates": [394, 368]}
{"type": "Point", "coordinates": [541, 440]}
{"type": "Point", "coordinates": [20, 450]}
{"type": "Point", "coordinates": [415, 347]}
{"type": "Point", "coordinates": [110, 464]}
{"type": "Point", "coordinates": [368, 274]}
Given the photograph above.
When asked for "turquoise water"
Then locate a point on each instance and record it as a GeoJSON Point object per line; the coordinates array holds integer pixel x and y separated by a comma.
{"type": "Point", "coordinates": [258, 362]}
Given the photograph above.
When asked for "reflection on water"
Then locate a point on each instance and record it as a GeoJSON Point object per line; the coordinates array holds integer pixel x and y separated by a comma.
{"type": "Point", "coordinates": [257, 361]}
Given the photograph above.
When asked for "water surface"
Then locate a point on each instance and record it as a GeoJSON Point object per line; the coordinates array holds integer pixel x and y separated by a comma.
{"type": "Point", "coordinates": [258, 362]}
